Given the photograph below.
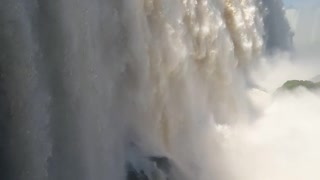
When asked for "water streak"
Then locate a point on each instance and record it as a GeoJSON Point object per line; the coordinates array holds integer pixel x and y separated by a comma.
{"type": "Point", "coordinates": [81, 80]}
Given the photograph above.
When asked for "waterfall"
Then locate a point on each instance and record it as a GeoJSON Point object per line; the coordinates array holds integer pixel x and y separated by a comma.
{"type": "Point", "coordinates": [81, 81]}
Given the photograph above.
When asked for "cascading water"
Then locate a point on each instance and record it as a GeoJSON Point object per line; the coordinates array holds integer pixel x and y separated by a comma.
{"type": "Point", "coordinates": [82, 81]}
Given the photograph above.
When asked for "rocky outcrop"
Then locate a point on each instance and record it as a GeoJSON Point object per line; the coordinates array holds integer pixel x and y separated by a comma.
{"type": "Point", "coordinates": [141, 165]}
{"type": "Point", "coordinates": [293, 84]}
{"type": "Point", "coordinates": [153, 168]}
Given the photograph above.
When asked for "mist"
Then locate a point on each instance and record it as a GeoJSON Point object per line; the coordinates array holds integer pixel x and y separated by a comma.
{"type": "Point", "coordinates": [281, 143]}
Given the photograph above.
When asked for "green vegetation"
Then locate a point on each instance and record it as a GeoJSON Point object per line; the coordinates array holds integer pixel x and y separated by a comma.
{"type": "Point", "coordinates": [293, 84]}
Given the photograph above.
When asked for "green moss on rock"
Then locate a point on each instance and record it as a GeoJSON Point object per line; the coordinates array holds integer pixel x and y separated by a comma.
{"type": "Point", "coordinates": [293, 84]}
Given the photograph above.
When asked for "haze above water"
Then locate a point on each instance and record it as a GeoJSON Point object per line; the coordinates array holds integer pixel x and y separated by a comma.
{"type": "Point", "coordinates": [282, 143]}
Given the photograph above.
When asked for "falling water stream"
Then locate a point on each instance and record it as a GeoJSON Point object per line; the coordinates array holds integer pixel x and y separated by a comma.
{"type": "Point", "coordinates": [83, 83]}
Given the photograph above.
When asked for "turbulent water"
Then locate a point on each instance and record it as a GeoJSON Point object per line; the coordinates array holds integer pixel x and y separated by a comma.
{"type": "Point", "coordinates": [84, 80]}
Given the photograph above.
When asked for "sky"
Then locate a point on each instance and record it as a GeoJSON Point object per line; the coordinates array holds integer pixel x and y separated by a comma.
{"type": "Point", "coordinates": [300, 2]}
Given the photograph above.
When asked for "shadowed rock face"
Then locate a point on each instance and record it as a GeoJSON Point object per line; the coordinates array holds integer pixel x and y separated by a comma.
{"type": "Point", "coordinates": [278, 35]}
{"type": "Point", "coordinates": [132, 174]}
{"type": "Point", "coordinates": [162, 163]}
{"type": "Point", "coordinates": [159, 165]}
{"type": "Point", "coordinates": [143, 166]}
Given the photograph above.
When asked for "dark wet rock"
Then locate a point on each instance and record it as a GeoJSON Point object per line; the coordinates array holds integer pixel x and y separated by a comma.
{"type": "Point", "coordinates": [162, 163]}
{"type": "Point", "coordinates": [141, 165]}
{"type": "Point", "coordinates": [133, 174]}
{"type": "Point", "coordinates": [150, 168]}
